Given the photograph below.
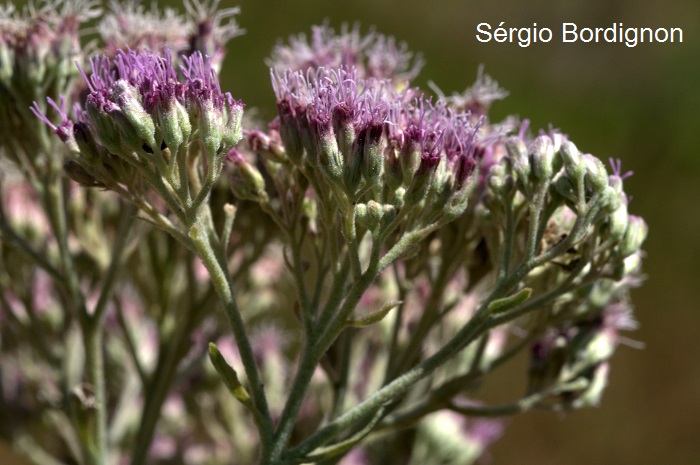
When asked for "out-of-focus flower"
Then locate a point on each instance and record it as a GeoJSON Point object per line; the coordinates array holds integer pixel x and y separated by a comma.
{"type": "Point", "coordinates": [204, 28]}
{"type": "Point", "coordinates": [373, 55]}
{"type": "Point", "coordinates": [476, 99]}
{"type": "Point", "coordinates": [38, 49]}
{"type": "Point", "coordinates": [449, 438]}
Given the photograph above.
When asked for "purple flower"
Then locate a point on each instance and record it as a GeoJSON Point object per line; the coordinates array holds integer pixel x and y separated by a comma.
{"type": "Point", "coordinates": [355, 130]}
{"type": "Point", "coordinates": [64, 129]}
{"type": "Point", "coordinates": [139, 104]}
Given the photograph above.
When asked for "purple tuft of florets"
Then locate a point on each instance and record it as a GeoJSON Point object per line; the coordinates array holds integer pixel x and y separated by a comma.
{"type": "Point", "coordinates": [64, 129]}
{"type": "Point", "coordinates": [155, 78]}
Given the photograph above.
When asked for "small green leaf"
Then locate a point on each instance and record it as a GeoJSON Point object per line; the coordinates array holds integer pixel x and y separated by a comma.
{"type": "Point", "coordinates": [373, 317]}
{"type": "Point", "coordinates": [229, 376]}
{"type": "Point", "coordinates": [512, 301]}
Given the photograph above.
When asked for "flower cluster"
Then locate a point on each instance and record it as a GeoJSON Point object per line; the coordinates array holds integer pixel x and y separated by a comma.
{"type": "Point", "coordinates": [377, 252]}
{"type": "Point", "coordinates": [141, 117]}
{"type": "Point", "coordinates": [371, 143]}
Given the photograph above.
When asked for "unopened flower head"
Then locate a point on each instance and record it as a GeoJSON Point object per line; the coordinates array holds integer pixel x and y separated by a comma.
{"type": "Point", "coordinates": [373, 55]}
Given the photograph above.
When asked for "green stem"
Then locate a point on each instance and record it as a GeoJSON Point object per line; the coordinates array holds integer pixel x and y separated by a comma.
{"type": "Point", "coordinates": [389, 392]}
{"type": "Point", "coordinates": [92, 339]}
{"type": "Point", "coordinates": [221, 280]}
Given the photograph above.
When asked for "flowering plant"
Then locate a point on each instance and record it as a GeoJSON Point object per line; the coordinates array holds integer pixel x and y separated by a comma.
{"type": "Point", "coordinates": [377, 252]}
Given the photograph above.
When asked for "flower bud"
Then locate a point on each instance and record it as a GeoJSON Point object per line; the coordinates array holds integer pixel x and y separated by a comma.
{"type": "Point", "coordinates": [635, 236]}
{"type": "Point", "coordinates": [573, 165]}
{"type": "Point", "coordinates": [496, 181]}
{"type": "Point", "coordinates": [392, 167]}
{"type": "Point", "coordinates": [210, 127]}
{"type": "Point", "coordinates": [521, 165]}
{"type": "Point", "coordinates": [596, 174]}
{"type": "Point", "coordinates": [344, 128]}
{"type": "Point", "coordinates": [247, 183]}
{"type": "Point", "coordinates": [618, 222]}
{"type": "Point", "coordinates": [233, 130]}
{"type": "Point", "coordinates": [139, 124]}
{"type": "Point", "coordinates": [174, 124]}
{"type": "Point", "coordinates": [372, 160]}
{"type": "Point", "coordinates": [352, 173]}
{"type": "Point", "coordinates": [541, 158]}
{"type": "Point", "coordinates": [630, 265]}
{"type": "Point", "coordinates": [369, 215]}
{"type": "Point", "coordinates": [422, 179]}
{"type": "Point", "coordinates": [289, 132]}
{"type": "Point", "coordinates": [410, 156]}
{"type": "Point", "coordinates": [599, 347]}
{"type": "Point", "coordinates": [330, 158]}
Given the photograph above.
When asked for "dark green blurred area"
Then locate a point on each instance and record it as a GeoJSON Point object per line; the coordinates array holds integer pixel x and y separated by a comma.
{"type": "Point", "coordinates": [640, 104]}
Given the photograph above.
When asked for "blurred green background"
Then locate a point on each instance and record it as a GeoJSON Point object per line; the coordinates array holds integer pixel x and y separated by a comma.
{"type": "Point", "coordinates": [640, 104]}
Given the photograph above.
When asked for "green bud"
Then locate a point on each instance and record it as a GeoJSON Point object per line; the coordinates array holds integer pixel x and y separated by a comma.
{"type": "Point", "coordinates": [229, 376]}
{"type": "Point", "coordinates": [516, 148]}
{"type": "Point", "coordinates": [211, 125]}
{"type": "Point", "coordinates": [423, 180]}
{"type": "Point", "coordinates": [369, 215]}
{"type": "Point", "coordinates": [573, 165]}
{"type": "Point", "coordinates": [618, 222]}
{"type": "Point", "coordinates": [410, 157]}
{"type": "Point", "coordinates": [247, 182]}
{"type": "Point", "coordinates": [496, 181]}
{"type": "Point", "coordinates": [368, 319]}
{"type": "Point", "coordinates": [139, 121]}
{"type": "Point", "coordinates": [290, 134]}
{"type": "Point", "coordinates": [174, 124]}
{"type": "Point", "coordinates": [233, 131]}
{"type": "Point", "coordinates": [635, 236]}
{"type": "Point", "coordinates": [352, 173]}
{"type": "Point", "coordinates": [330, 159]}
{"type": "Point", "coordinates": [392, 167]}
{"type": "Point", "coordinates": [344, 128]}
{"type": "Point", "coordinates": [521, 165]}
{"type": "Point", "coordinates": [596, 174]}
{"type": "Point", "coordinates": [106, 129]}
{"type": "Point", "coordinates": [372, 160]}
{"type": "Point", "coordinates": [599, 348]}
{"type": "Point", "coordinates": [541, 158]}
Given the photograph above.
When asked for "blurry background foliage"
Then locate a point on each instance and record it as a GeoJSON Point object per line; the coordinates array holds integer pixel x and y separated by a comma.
{"type": "Point", "coordinates": [640, 104]}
